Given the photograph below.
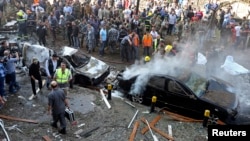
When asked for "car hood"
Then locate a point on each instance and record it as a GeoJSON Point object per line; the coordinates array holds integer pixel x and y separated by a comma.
{"type": "Point", "coordinates": [40, 52]}
{"type": "Point", "coordinates": [68, 51]}
{"type": "Point", "coordinates": [94, 68]}
{"type": "Point", "coordinates": [220, 94]}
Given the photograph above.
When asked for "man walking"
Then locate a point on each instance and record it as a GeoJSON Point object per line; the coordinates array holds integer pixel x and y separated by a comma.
{"type": "Point", "coordinates": [57, 102]}
{"type": "Point", "coordinates": [34, 73]}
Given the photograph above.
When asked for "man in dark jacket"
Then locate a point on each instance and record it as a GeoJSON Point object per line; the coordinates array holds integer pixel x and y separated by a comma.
{"type": "Point", "coordinates": [34, 73]}
{"type": "Point", "coordinates": [69, 32]}
{"type": "Point", "coordinates": [75, 33]}
{"type": "Point", "coordinates": [57, 102]}
{"type": "Point", "coordinates": [50, 66]}
{"type": "Point", "coordinates": [41, 33]}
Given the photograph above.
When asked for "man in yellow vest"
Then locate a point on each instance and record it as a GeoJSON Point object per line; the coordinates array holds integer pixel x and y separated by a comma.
{"type": "Point", "coordinates": [63, 76]}
{"type": "Point", "coordinates": [21, 18]}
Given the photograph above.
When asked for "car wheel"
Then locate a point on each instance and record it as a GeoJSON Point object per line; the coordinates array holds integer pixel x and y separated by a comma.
{"type": "Point", "coordinates": [213, 119]}
{"type": "Point", "coordinates": [137, 98]}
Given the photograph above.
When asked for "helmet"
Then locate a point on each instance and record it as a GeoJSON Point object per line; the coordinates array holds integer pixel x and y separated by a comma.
{"type": "Point", "coordinates": [147, 59]}
{"type": "Point", "coordinates": [168, 48]}
{"type": "Point", "coordinates": [19, 13]}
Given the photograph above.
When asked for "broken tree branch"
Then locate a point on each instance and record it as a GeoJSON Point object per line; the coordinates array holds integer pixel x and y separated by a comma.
{"type": "Point", "coordinates": [105, 99]}
{"type": "Point", "coordinates": [46, 138]}
{"type": "Point", "coordinates": [18, 119]}
{"type": "Point", "coordinates": [152, 123]}
{"type": "Point", "coordinates": [133, 118]}
{"type": "Point", "coordinates": [158, 131]}
{"type": "Point", "coordinates": [129, 103]}
{"type": "Point", "coordinates": [132, 135]}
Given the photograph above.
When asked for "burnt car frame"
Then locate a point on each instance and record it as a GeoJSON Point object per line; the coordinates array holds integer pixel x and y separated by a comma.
{"type": "Point", "coordinates": [86, 70]}
{"type": "Point", "coordinates": [188, 94]}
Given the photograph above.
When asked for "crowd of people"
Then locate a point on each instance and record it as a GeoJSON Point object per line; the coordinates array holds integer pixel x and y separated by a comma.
{"type": "Point", "coordinates": [162, 28]}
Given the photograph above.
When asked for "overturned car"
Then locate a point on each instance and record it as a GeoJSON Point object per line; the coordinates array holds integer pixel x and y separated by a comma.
{"type": "Point", "coordinates": [185, 93]}
{"type": "Point", "coordinates": [86, 70]}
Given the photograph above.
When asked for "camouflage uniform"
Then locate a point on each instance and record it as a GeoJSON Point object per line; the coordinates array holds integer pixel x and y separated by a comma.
{"type": "Point", "coordinates": [77, 9]}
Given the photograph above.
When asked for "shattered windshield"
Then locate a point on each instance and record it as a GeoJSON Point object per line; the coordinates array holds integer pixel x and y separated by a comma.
{"type": "Point", "coordinates": [196, 83]}
{"type": "Point", "coordinates": [77, 60]}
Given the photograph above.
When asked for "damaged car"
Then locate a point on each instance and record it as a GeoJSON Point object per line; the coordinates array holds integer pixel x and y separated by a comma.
{"type": "Point", "coordinates": [186, 93]}
{"type": "Point", "coordinates": [86, 70]}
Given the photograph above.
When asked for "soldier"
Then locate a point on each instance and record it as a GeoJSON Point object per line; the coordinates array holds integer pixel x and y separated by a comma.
{"type": "Point", "coordinates": [77, 9]}
{"type": "Point", "coordinates": [22, 29]}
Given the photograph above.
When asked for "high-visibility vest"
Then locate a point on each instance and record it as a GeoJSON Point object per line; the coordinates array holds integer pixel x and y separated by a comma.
{"type": "Point", "coordinates": [136, 41]}
{"type": "Point", "coordinates": [36, 1]}
{"type": "Point", "coordinates": [147, 40]}
{"type": "Point", "coordinates": [62, 77]}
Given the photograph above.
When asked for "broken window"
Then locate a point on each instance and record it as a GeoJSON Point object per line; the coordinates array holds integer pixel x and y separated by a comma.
{"type": "Point", "coordinates": [174, 87]}
{"type": "Point", "coordinates": [157, 82]}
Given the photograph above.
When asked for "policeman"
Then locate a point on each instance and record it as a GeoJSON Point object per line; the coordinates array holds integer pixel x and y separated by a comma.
{"type": "Point", "coordinates": [22, 29]}
{"type": "Point", "coordinates": [147, 24]}
{"type": "Point", "coordinates": [63, 77]}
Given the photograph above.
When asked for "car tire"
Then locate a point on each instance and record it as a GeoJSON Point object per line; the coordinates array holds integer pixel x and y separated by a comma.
{"type": "Point", "coordinates": [137, 98]}
{"type": "Point", "coordinates": [213, 119]}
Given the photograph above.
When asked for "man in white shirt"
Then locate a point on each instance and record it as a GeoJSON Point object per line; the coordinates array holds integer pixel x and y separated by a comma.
{"type": "Point", "coordinates": [67, 9]}
{"type": "Point", "coordinates": [238, 37]}
{"type": "Point", "coordinates": [155, 36]}
{"type": "Point", "coordinates": [171, 22]}
{"type": "Point", "coordinates": [127, 14]}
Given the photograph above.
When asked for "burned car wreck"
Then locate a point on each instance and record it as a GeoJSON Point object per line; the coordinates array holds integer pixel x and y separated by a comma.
{"type": "Point", "coordinates": [188, 94]}
{"type": "Point", "coordinates": [86, 70]}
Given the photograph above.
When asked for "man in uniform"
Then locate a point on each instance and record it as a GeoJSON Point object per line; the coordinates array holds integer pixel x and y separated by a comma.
{"type": "Point", "coordinates": [77, 9]}
{"type": "Point", "coordinates": [63, 77]}
{"type": "Point", "coordinates": [22, 29]}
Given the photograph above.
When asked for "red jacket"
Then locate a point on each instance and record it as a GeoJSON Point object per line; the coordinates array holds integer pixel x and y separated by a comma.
{"type": "Point", "coordinates": [199, 14]}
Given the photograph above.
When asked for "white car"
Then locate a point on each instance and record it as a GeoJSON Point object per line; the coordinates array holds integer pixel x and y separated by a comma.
{"type": "Point", "coordinates": [86, 70]}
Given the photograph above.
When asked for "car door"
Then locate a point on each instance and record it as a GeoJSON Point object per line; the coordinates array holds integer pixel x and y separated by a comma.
{"type": "Point", "coordinates": [179, 98]}
{"type": "Point", "coordinates": [155, 87]}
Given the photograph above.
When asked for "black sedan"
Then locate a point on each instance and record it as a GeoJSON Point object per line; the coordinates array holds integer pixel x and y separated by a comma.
{"type": "Point", "coordinates": [188, 94]}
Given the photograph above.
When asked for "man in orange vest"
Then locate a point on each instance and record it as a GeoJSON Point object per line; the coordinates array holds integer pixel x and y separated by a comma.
{"type": "Point", "coordinates": [135, 46]}
{"type": "Point", "coordinates": [147, 42]}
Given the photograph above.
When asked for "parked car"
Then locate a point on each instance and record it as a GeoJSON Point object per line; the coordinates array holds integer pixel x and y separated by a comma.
{"type": "Point", "coordinates": [3, 133]}
{"type": "Point", "coordinates": [188, 94]}
{"type": "Point", "coordinates": [86, 70]}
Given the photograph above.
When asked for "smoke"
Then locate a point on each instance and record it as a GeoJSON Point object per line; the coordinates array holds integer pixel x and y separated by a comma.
{"type": "Point", "coordinates": [166, 65]}
{"type": "Point", "coordinates": [139, 86]}
{"type": "Point", "coordinates": [158, 64]}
